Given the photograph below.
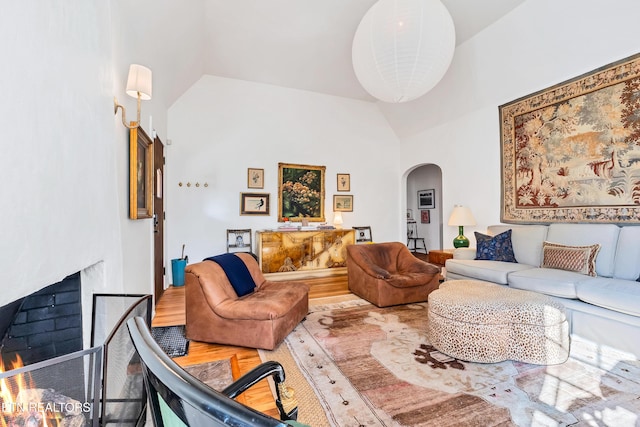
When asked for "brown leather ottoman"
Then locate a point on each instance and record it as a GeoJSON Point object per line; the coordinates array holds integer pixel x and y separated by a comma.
{"type": "Point", "coordinates": [484, 322]}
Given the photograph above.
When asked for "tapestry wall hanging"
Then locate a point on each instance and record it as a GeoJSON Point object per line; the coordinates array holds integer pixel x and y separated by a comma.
{"type": "Point", "coordinates": [571, 153]}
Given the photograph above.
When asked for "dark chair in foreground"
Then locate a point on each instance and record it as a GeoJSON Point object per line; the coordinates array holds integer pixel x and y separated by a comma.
{"type": "Point", "coordinates": [260, 319]}
{"type": "Point", "coordinates": [388, 274]}
{"type": "Point", "coordinates": [175, 395]}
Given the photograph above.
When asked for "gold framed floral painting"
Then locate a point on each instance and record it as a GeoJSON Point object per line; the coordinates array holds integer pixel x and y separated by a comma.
{"type": "Point", "coordinates": [301, 192]}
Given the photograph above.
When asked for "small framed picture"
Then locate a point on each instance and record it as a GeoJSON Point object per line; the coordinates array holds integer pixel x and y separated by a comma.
{"type": "Point", "coordinates": [344, 182]}
{"type": "Point", "coordinates": [254, 203]}
{"type": "Point", "coordinates": [343, 203]}
{"type": "Point", "coordinates": [409, 214]}
{"type": "Point", "coordinates": [363, 234]}
{"type": "Point", "coordinates": [427, 199]}
{"type": "Point", "coordinates": [425, 217]}
{"type": "Point", "coordinates": [255, 178]}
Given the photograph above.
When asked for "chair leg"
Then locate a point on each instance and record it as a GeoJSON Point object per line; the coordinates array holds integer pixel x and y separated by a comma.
{"type": "Point", "coordinates": [286, 402]}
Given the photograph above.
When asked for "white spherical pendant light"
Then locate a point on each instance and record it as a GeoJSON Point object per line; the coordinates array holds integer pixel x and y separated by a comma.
{"type": "Point", "coordinates": [402, 48]}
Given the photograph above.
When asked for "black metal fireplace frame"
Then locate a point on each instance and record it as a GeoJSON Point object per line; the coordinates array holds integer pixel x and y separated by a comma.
{"type": "Point", "coordinates": [95, 365]}
{"type": "Point", "coordinates": [120, 330]}
{"type": "Point", "coordinates": [96, 389]}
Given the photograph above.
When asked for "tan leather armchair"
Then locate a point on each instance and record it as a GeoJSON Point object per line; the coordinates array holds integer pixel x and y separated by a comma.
{"type": "Point", "coordinates": [388, 274]}
{"type": "Point", "coordinates": [261, 319]}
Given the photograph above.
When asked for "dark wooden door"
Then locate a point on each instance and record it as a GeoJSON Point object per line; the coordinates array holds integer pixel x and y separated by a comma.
{"type": "Point", "coordinates": [158, 218]}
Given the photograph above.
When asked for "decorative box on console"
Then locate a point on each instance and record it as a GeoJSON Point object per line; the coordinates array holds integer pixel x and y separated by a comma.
{"type": "Point", "coordinates": [310, 250]}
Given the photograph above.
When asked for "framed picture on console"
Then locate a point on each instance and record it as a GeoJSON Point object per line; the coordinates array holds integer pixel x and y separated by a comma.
{"type": "Point", "coordinates": [427, 199]}
{"type": "Point", "coordinates": [301, 192]}
{"type": "Point", "coordinates": [571, 152]}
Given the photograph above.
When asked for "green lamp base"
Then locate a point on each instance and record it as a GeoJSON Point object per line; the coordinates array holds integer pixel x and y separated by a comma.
{"type": "Point", "coordinates": [460, 241]}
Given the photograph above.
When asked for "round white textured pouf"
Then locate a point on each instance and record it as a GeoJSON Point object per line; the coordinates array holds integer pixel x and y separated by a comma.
{"type": "Point", "coordinates": [402, 48]}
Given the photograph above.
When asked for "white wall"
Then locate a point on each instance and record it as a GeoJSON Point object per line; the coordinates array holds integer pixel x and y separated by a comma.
{"type": "Point", "coordinates": [151, 33]}
{"type": "Point", "coordinates": [59, 197]}
{"type": "Point", "coordinates": [64, 165]}
{"type": "Point", "coordinates": [539, 44]}
{"type": "Point", "coordinates": [220, 127]}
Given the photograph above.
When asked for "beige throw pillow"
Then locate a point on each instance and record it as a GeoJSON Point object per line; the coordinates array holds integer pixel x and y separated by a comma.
{"type": "Point", "coordinates": [581, 259]}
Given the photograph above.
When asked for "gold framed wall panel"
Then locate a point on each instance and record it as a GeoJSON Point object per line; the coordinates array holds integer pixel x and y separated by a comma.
{"type": "Point", "coordinates": [140, 174]}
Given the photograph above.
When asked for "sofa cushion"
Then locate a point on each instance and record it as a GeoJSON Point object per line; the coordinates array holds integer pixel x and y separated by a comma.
{"type": "Point", "coordinates": [496, 248]}
{"type": "Point", "coordinates": [627, 263]}
{"type": "Point", "coordinates": [581, 259]}
{"type": "Point", "coordinates": [525, 239]}
{"type": "Point", "coordinates": [587, 234]}
{"type": "Point", "coordinates": [490, 271]}
{"type": "Point", "coordinates": [549, 281]}
{"type": "Point", "coordinates": [614, 294]}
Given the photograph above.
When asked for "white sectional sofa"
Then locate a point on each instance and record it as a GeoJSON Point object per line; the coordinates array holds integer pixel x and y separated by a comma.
{"type": "Point", "coordinates": [604, 309]}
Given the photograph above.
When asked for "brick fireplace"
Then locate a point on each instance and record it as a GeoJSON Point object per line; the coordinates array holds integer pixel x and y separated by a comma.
{"type": "Point", "coordinates": [45, 324]}
{"type": "Point", "coordinates": [101, 380]}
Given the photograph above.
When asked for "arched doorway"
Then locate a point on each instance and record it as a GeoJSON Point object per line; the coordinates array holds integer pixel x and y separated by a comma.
{"type": "Point", "coordinates": [428, 220]}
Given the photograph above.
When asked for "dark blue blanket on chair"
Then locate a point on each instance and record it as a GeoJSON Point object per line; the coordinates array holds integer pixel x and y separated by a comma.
{"type": "Point", "coordinates": [236, 271]}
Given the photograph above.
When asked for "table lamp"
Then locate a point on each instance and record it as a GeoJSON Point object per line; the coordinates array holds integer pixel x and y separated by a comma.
{"type": "Point", "coordinates": [337, 219]}
{"type": "Point", "coordinates": [460, 217]}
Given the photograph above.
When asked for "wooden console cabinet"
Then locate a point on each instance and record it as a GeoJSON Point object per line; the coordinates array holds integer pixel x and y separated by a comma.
{"type": "Point", "coordinates": [309, 250]}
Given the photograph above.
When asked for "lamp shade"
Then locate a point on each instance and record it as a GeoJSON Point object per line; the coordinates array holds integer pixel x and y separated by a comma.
{"type": "Point", "coordinates": [337, 219]}
{"type": "Point", "coordinates": [461, 215]}
{"type": "Point", "coordinates": [139, 80]}
{"type": "Point", "coordinates": [402, 48]}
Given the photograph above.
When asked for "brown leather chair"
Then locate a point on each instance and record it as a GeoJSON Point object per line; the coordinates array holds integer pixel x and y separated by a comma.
{"type": "Point", "coordinates": [261, 319]}
{"type": "Point", "coordinates": [388, 274]}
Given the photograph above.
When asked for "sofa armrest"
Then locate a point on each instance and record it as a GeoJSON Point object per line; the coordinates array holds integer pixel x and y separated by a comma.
{"type": "Point", "coordinates": [464, 253]}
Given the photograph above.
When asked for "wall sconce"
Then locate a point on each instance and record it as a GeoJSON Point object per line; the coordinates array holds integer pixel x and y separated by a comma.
{"type": "Point", "coordinates": [460, 217]}
{"type": "Point", "coordinates": [138, 86]}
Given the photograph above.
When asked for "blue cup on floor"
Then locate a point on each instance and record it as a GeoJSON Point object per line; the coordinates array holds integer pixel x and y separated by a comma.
{"type": "Point", "coordinates": [177, 271]}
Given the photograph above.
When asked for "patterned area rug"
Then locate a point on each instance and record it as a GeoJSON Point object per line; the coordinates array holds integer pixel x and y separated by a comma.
{"type": "Point", "coordinates": [171, 339]}
{"type": "Point", "coordinates": [374, 367]}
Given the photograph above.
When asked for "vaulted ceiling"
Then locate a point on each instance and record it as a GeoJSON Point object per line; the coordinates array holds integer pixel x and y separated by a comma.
{"type": "Point", "coordinates": [291, 43]}
{"type": "Point", "coordinates": [307, 44]}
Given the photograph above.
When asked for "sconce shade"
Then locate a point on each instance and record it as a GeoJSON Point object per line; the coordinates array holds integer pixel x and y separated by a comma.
{"type": "Point", "coordinates": [139, 80]}
{"type": "Point", "coordinates": [461, 215]}
{"type": "Point", "coordinates": [403, 48]}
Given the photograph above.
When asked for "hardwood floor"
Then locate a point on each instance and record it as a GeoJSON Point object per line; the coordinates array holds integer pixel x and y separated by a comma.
{"type": "Point", "coordinates": [170, 311]}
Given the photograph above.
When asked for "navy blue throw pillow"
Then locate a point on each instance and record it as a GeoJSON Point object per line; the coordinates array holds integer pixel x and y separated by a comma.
{"type": "Point", "coordinates": [496, 248]}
